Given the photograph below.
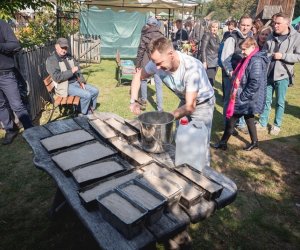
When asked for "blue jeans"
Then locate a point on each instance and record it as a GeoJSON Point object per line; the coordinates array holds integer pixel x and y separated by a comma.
{"type": "Point", "coordinates": [158, 88]}
{"type": "Point", "coordinates": [227, 90]}
{"type": "Point", "coordinates": [10, 99]}
{"type": "Point", "coordinates": [204, 112]}
{"type": "Point", "coordinates": [280, 88]}
{"type": "Point", "coordinates": [88, 96]}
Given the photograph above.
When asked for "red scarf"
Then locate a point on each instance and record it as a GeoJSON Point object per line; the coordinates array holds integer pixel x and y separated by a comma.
{"type": "Point", "coordinates": [239, 72]}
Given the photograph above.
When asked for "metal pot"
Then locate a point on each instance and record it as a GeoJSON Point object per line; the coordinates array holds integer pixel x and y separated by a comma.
{"type": "Point", "coordinates": [156, 130]}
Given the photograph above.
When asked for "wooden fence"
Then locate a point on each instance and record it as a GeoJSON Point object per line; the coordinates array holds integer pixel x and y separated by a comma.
{"type": "Point", "coordinates": [32, 66]}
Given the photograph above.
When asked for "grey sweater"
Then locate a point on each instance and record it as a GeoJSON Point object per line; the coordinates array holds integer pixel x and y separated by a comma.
{"type": "Point", "coordinates": [290, 49]}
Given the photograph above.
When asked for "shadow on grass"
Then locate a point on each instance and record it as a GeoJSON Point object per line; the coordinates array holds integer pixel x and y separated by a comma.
{"type": "Point", "coordinates": [261, 216]}
{"type": "Point", "coordinates": [292, 110]}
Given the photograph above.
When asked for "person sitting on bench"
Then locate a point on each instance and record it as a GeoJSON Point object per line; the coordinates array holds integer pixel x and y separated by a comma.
{"type": "Point", "coordinates": [65, 71]}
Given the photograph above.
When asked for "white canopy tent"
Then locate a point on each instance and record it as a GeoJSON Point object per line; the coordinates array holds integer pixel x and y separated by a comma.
{"type": "Point", "coordinates": [144, 5]}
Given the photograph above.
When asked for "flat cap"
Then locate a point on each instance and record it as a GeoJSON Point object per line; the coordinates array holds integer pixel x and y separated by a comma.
{"type": "Point", "coordinates": [62, 42]}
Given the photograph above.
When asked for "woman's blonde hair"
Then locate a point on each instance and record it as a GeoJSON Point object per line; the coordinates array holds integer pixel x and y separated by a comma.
{"type": "Point", "coordinates": [265, 28]}
{"type": "Point", "coordinates": [213, 22]}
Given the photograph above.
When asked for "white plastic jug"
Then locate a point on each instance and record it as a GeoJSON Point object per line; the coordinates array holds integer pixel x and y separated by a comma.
{"type": "Point", "coordinates": [191, 144]}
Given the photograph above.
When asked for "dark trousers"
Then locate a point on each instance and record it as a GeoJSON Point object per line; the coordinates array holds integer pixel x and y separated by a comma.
{"type": "Point", "coordinates": [230, 123]}
{"type": "Point", "coordinates": [10, 98]}
{"type": "Point", "coordinates": [211, 73]}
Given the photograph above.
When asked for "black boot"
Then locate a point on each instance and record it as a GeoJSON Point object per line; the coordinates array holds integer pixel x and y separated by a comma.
{"type": "Point", "coordinates": [220, 145]}
{"type": "Point", "coordinates": [251, 146]}
{"type": "Point", "coordinates": [9, 136]}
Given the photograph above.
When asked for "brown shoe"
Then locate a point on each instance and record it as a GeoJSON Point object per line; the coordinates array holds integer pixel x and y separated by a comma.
{"type": "Point", "coordinates": [9, 137]}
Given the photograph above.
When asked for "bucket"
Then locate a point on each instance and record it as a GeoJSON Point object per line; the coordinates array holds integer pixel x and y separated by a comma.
{"type": "Point", "coordinates": [156, 130]}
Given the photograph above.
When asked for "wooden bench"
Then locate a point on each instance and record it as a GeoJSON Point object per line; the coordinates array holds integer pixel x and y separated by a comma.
{"type": "Point", "coordinates": [57, 101]}
{"type": "Point", "coordinates": [125, 69]}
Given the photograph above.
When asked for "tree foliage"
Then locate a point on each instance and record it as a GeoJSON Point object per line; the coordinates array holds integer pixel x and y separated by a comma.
{"type": "Point", "coordinates": [224, 9]}
{"type": "Point", "coordinates": [297, 9]}
{"type": "Point", "coordinates": [8, 8]}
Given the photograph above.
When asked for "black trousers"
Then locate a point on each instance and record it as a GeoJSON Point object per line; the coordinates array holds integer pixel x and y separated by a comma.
{"type": "Point", "coordinates": [230, 123]}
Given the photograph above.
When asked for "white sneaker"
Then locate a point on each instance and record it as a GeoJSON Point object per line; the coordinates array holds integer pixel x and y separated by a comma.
{"type": "Point", "coordinates": [274, 130]}
{"type": "Point", "coordinates": [259, 127]}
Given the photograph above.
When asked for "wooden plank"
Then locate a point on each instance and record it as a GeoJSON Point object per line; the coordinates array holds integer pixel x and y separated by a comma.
{"type": "Point", "coordinates": [76, 100]}
{"type": "Point", "coordinates": [70, 99]}
{"type": "Point", "coordinates": [58, 100]}
{"type": "Point", "coordinates": [64, 101]}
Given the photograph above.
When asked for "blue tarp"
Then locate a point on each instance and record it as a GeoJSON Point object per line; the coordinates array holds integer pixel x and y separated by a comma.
{"type": "Point", "coordinates": [118, 30]}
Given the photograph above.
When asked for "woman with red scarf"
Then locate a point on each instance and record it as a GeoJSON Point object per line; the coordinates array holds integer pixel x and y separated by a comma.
{"type": "Point", "coordinates": [248, 94]}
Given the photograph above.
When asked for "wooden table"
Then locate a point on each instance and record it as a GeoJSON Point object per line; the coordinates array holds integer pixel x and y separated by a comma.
{"type": "Point", "coordinates": [107, 236]}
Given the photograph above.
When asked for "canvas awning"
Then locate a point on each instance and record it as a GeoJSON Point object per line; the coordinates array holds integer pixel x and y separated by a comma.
{"type": "Point", "coordinates": [144, 5]}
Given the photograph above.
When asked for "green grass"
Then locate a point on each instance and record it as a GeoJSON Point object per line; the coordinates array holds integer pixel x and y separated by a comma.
{"type": "Point", "coordinates": [264, 215]}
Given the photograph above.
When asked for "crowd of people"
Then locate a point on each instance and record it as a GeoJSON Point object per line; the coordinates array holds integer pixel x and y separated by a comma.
{"type": "Point", "coordinates": [256, 61]}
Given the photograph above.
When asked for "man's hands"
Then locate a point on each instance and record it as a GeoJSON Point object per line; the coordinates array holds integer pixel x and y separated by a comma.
{"type": "Point", "coordinates": [74, 69]}
{"type": "Point", "coordinates": [82, 85]}
{"type": "Point", "coordinates": [135, 108]}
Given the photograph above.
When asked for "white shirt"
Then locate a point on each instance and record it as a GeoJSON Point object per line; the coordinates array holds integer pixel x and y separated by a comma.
{"type": "Point", "coordinates": [189, 77]}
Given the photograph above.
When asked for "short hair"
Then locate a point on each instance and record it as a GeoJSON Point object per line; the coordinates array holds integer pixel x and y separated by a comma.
{"type": "Point", "coordinates": [213, 22]}
{"type": "Point", "coordinates": [283, 15]}
{"type": "Point", "coordinates": [232, 22]}
{"type": "Point", "coordinates": [245, 17]}
{"type": "Point", "coordinates": [178, 21]}
{"type": "Point", "coordinates": [249, 41]}
{"type": "Point", "coordinates": [265, 28]}
{"type": "Point", "coordinates": [160, 44]}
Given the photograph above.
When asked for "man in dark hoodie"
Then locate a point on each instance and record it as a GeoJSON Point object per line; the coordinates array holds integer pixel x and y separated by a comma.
{"type": "Point", "coordinates": [149, 32]}
{"type": "Point", "coordinates": [9, 92]}
{"type": "Point", "coordinates": [283, 46]}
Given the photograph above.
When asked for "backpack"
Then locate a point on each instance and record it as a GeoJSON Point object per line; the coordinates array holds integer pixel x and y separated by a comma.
{"type": "Point", "coordinates": [225, 36]}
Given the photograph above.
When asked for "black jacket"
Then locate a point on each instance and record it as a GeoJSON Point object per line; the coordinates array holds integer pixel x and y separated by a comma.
{"type": "Point", "coordinates": [149, 33]}
{"type": "Point", "coordinates": [9, 45]}
{"type": "Point", "coordinates": [251, 94]}
{"type": "Point", "coordinates": [209, 49]}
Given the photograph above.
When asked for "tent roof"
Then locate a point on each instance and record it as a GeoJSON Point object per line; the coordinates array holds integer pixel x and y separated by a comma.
{"type": "Point", "coordinates": [144, 5]}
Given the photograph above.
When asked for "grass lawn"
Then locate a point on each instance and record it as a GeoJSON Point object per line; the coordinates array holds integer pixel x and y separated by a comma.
{"type": "Point", "coordinates": [265, 214]}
